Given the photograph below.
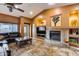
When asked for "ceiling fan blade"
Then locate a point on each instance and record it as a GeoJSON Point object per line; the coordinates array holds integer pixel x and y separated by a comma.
{"type": "Point", "coordinates": [10, 8]}
{"type": "Point", "coordinates": [13, 3]}
{"type": "Point", "coordinates": [19, 9]}
{"type": "Point", "coordinates": [17, 3]}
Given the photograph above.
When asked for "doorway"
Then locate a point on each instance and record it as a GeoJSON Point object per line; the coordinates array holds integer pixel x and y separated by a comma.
{"type": "Point", "coordinates": [27, 30]}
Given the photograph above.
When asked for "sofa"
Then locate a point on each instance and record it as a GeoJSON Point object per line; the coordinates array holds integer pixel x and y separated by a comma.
{"type": "Point", "coordinates": [9, 37]}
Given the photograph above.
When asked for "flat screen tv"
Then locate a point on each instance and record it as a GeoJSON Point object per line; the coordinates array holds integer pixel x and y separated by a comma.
{"type": "Point", "coordinates": [41, 30]}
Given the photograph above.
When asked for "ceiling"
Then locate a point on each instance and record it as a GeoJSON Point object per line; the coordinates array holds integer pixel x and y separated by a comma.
{"type": "Point", "coordinates": [30, 7]}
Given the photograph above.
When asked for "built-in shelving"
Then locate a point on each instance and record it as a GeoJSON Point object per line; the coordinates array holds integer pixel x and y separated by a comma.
{"type": "Point", "coordinates": [74, 37]}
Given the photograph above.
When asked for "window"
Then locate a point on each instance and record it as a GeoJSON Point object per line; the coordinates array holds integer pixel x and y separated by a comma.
{"type": "Point", "coordinates": [14, 28]}
{"type": "Point", "coordinates": [5, 28]}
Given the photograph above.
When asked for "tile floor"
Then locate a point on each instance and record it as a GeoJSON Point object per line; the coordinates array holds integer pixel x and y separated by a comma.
{"type": "Point", "coordinates": [41, 48]}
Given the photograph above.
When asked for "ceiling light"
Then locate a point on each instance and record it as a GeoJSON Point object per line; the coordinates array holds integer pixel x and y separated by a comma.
{"type": "Point", "coordinates": [51, 3]}
{"type": "Point", "coordinates": [58, 11]}
{"type": "Point", "coordinates": [40, 16]}
{"type": "Point", "coordinates": [31, 13]}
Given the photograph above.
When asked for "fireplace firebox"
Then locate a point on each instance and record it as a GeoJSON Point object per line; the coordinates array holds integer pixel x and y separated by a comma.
{"type": "Point", "coordinates": [55, 35]}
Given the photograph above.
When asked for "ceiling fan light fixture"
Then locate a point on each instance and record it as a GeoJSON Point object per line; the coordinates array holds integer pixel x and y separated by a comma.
{"type": "Point", "coordinates": [16, 6]}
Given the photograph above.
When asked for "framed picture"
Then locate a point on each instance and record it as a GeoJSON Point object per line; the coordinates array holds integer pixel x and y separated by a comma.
{"type": "Point", "coordinates": [56, 20]}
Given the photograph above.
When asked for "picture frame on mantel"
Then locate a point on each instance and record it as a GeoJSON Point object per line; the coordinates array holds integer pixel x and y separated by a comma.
{"type": "Point", "coordinates": [56, 20]}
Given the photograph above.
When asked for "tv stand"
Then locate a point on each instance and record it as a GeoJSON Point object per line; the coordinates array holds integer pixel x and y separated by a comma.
{"type": "Point", "coordinates": [42, 35]}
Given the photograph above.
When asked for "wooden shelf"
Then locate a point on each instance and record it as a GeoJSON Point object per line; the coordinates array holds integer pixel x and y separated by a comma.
{"type": "Point", "coordinates": [76, 36]}
{"type": "Point", "coordinates": [61, 27]}
{"type": "Point", "coordinates": [73, 27]}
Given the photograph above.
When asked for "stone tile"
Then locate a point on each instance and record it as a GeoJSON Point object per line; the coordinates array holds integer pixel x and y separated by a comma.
{"type": "Point", "coordinates": [42, 48]}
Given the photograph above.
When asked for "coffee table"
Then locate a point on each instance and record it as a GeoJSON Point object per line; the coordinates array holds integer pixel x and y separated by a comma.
{"type": "Point", "coordinates": [22, 41]}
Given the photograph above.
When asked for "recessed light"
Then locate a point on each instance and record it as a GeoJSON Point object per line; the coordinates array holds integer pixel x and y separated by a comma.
{"type": "Point", "coordinates": [51, 3]}
{"type": "Point", "coordinates": [58, 11]}
{"type": "Point", "coordinates": [31, 13]}
{"type": "Point", "coordinates": [40, 16]}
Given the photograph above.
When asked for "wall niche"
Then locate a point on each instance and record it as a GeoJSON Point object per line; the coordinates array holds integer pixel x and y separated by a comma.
{"type": "Point", "coordinates": [73, 18]}
{"type": "Point", "coordinates": [40, 21]}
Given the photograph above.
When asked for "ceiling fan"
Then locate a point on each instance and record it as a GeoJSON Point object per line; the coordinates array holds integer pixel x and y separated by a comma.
{"type": "Point", "coordinates": [12, 6]}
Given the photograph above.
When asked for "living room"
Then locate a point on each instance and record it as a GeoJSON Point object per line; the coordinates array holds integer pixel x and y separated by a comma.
{"type": "Point", "coordinates": [39, 29]}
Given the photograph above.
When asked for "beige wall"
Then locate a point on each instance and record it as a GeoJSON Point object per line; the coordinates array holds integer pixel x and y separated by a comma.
{"type": "Point", "coordinates": [8, 18]}
{"type": "Point", "coordinates": [64, 11]}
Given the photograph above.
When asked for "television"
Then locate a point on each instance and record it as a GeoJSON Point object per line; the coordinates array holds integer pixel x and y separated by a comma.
{"type": "Point", "coordinates": [41, 30]}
